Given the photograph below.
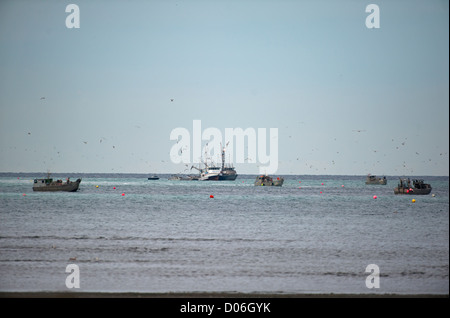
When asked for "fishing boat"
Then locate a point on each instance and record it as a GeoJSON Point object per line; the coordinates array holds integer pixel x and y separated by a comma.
{"type": "Point", "coordinates": [374, 180]}
{"type": "Point", "coordinates": [418, 187]}
{"type": "Point", "coordinates": [153, 177]}
{"type": "Point", "coordinates": [265, 180]}
{"type": "Point", "coordinates": [226, 172]}
{"type": "Point", "coordinates": [48, 184]}
{"type": "Point", "coordinates": [210, 173]}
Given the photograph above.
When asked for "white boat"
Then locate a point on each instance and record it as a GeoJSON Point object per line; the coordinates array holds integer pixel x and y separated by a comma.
{"type": "Point", "coordinates": [214, 172]}
{"type": "Point", "coordinates": [209, 173]}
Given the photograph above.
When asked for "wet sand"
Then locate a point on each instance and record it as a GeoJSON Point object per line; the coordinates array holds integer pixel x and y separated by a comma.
{"type": "Point", "coordinates": [205, 295]}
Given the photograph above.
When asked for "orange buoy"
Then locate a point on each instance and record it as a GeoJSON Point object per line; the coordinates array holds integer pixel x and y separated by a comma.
{"type": "Point", "coordinates": [211, 196]}
{"type": "Point", "coordinates": [375, 197]}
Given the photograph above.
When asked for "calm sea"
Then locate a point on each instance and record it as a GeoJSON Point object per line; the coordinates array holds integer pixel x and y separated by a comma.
{"type": "Point", "coordinates": [315, 234]}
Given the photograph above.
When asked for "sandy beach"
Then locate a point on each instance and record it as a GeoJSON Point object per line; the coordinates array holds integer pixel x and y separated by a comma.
{"type": "Point", "coordinates": [205, 295]}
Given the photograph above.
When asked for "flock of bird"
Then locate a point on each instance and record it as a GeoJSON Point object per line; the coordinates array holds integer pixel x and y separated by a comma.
{"type": "Point", "coordinates": [403, 143]}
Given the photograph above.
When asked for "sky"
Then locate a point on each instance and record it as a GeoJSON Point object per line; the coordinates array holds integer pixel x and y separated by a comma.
{"type": "Point", "coordinates": [345, 99]}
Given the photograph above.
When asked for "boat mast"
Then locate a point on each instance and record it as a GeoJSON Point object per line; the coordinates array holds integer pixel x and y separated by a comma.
{"type": "Point", "coordinates": [223, 155]}
{"type": "Point", "coordinates": [223, 158]}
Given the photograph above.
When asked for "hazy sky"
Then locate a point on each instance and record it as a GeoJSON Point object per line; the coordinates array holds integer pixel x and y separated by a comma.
{"type": "Point", "coordinates": [346, 99]}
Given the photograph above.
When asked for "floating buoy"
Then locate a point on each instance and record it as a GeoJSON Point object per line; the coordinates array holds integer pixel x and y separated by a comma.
{"type": "Point", "coordinates": [375, 197]}
{"type": "Point", "coordinates": [413, 200]}
{"type": "Point", "coordinates": [299, 182]}
{"type": "Point", "coordinates": [24, 194]}
{"type": "Point", "coordinates": [96, 186]}
{"type": "Point", "coordinates": [211, 196]}
{"type": "Point", "coordinates": [320, 191]}
{"type": "Point", "coordinates": [114, 188]}
{"type": "Point", "coordinates": [342, 185]}
{"type": "Point", "coordinates": [433, 195]}
{"type": "Point", "coordinates": [322, 183]}
{"type": "Point", "coordinates": [123, 194]}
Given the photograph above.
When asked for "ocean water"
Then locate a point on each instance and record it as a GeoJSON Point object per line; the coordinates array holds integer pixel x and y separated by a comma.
{"type": "Point", "coordinates": [171, 236]}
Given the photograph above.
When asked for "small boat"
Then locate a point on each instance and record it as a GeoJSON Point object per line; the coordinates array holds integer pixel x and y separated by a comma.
{"type": "Point", "coordinates": [47, 184]}
{"type": "Point", "coordinates": [183, 178]}
{"type": "Point", "coordinates": [418, 187]}
{"type": "Point", "coordinates": [153, 178]}
{"type": "Point", "coordinates": [374, 180]}
{"type": "Point", "coordinates": [265, 180]}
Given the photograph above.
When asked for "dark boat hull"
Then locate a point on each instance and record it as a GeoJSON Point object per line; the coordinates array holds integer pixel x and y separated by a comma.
{"type": "Point", "coordinates": [65, 187]}
{"type": "Point", "coordinates": [229, 177]}
{"type": "Point", "coordinates": [268, 181]}
{"type": "Point", "coordinates": [414, 191]}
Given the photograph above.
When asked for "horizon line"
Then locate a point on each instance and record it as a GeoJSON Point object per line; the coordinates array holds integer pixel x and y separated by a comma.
{"type": "Point", "coordinates": [242, 174]}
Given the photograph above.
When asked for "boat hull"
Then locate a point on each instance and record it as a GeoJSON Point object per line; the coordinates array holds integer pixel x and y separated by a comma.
{"type": "Point", "coordinates": [55, 187]}
{"type": "Point", "coordinates": [412, 191]}
{"type": "Point", "coordinates": [227, 177]}
{"type": "Point", "coordinates": [382, 182]}
{"type": "Point", "coordinates": [209, 178]}
{"type": "Point", "coordinates": [269, 182]}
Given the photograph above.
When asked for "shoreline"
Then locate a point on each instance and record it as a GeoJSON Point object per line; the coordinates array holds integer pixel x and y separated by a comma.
{"type": "Point", "coordinates": [68, 294]}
